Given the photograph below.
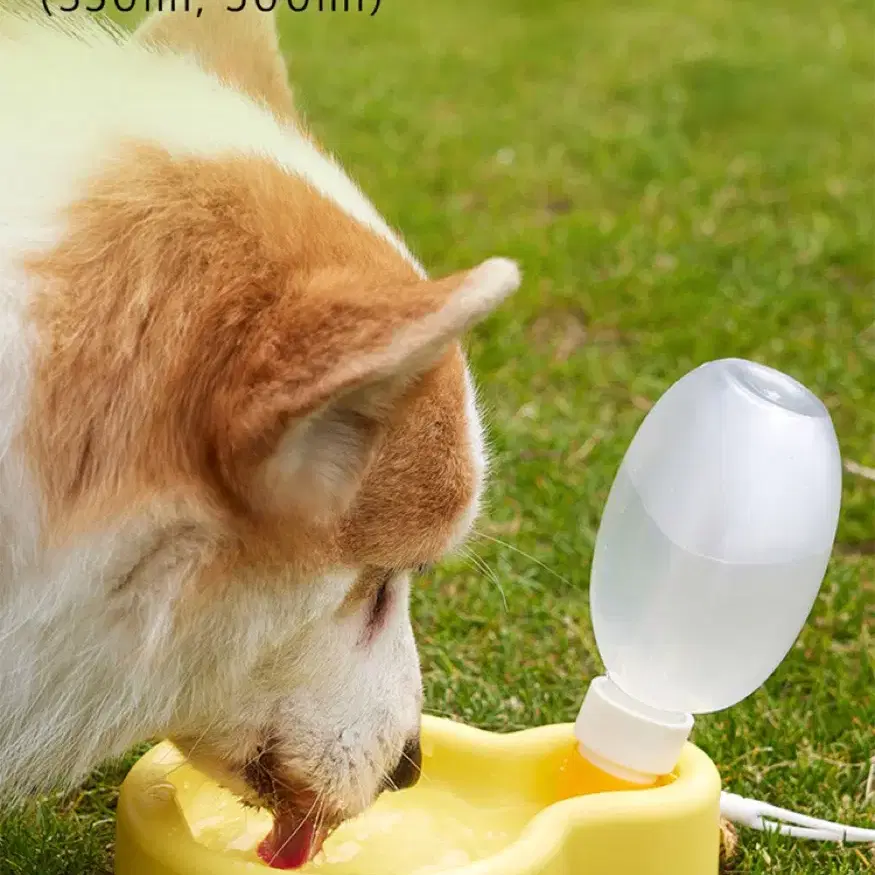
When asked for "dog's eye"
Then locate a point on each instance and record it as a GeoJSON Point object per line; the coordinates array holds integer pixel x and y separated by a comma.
{"type": "Point", "coordinates": [381, 600]}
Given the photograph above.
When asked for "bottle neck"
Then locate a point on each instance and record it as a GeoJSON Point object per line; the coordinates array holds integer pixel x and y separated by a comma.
{"type": "Point", "coordinates": [629, 741]}
{"type": "Point", "coordinates": [622, 774]}
{"type": "Point", "coordinates": [583, 772]}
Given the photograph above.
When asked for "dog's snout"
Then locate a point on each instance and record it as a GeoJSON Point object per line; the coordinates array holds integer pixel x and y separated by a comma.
{"type": "Point", "coordinates": [409, 768]}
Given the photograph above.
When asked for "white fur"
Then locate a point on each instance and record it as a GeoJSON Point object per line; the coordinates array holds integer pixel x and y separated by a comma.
{"type": "Point", "coordinates": [127, 92]}
{"type": "Point", "coordinates": [88, 668]}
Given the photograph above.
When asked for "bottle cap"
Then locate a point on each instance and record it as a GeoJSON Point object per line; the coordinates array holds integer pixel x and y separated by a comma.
{"type": "Point", "coordinates": [627, 739]}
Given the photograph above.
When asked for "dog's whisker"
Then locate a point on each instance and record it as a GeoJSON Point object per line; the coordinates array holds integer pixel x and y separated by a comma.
{"type": "Point", "coordinates": [199, 740]}
{"type": "Point", "coordinates": [363, 797]}
{"type": "Point", "coordinates": [285, 844]}
{"type": "Point", "coordinates": [175, 769]}
{"type": "Point", "coordinates": [478, 534]}
{"type": "Point", "coordinates": [422, 775]}
{"type": "Point", "coordinates": [480, 563]}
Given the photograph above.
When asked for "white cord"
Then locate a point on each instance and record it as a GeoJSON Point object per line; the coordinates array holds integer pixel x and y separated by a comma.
{"type": "Point", "coordinates": [769, 818]}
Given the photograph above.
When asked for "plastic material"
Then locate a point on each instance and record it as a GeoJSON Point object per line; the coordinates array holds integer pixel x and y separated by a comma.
{"type": "Point", "coordinates": [715, 537]}
{"type": "Point", "coordinates": [769, 818]}
{"type": "Point", "coordinates": [627, 739]}
{"type": "Point", "coordinates": [487, 804]}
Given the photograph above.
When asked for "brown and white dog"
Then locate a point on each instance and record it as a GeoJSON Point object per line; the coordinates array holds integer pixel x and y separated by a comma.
{"type": "Point", "coordinates": [234, 417]}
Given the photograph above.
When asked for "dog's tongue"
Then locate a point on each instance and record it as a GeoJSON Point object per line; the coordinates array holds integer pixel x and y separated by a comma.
{"type": "Point", "coordinates": [291, 843]}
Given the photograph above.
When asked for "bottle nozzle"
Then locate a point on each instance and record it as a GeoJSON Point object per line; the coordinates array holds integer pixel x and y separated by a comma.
{"type": "Point", "coordinates": [626, 738]}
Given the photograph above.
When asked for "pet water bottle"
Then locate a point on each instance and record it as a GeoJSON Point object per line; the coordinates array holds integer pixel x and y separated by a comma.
{"type": "Point", "coordinates": [712, 548]}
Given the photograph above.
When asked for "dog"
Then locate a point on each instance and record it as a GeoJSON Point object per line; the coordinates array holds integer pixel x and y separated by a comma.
{"type": "Point", "coordinates": [235, 419]}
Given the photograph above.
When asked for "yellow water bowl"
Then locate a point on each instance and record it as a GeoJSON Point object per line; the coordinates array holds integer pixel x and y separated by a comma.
{"type": "Point", "coordinates": [522, 803]}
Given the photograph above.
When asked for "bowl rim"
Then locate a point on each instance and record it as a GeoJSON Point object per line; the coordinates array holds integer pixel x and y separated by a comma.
{"type": "Point", "coordinates": [150, 813]}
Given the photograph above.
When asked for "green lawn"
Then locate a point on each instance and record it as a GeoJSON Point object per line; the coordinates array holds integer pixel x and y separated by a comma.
{"type": "Point", "coordinates": [681, 181]}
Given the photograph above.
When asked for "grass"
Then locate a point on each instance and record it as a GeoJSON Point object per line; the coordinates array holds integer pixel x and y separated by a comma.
{"type": "Point", "coordinates": [681, 181]}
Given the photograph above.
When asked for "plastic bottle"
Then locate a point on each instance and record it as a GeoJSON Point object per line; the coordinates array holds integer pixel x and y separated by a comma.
{"type": "Point", "coordinates": [711, 551]}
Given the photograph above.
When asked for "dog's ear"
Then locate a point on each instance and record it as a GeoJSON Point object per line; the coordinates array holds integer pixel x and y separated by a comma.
{"type": "Point", "coordinates": [299, 421]}
{"type": "Point", "coordinates": [241, 48]}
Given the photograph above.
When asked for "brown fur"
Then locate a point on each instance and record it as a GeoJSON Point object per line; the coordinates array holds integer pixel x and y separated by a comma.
{"type": "Point", "coordinates": [411, 489]}
{"type": "Point", "coordinates": [197, 309]}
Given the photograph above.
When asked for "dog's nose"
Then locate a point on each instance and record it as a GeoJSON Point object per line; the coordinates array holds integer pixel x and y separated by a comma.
{"type": "Point", "coordinates": [409, 767]}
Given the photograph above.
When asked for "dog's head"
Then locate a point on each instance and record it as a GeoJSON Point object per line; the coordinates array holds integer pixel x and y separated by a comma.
{"type": "Point", "coordinates": [254, 406]}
